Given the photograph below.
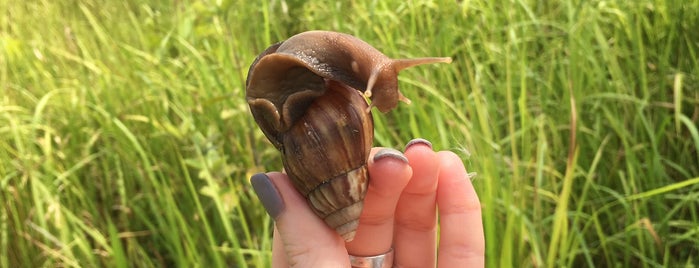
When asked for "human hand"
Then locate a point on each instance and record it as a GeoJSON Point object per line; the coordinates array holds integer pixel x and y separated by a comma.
{"type": "Point", "coordinates": [400, 212]}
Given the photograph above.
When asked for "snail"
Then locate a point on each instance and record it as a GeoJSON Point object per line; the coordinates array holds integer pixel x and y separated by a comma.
{"type": "Point", "coordinates": [305, 94]}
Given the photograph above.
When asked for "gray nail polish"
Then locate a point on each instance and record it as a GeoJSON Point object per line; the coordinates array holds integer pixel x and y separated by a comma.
{"type": "Point", "coordinates": [390, 153]}
{"type": "Point", "coordinates": [418, 141]}
{"type": "Point", "coordinates": [268, 194]}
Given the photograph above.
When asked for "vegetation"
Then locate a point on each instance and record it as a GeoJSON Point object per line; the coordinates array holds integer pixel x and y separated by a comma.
{"type": "Point", "coordinates": [125, 139]}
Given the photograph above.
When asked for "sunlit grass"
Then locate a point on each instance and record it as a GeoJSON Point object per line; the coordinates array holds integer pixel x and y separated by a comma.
{"type": "Point", "coordinates": [125, 139]}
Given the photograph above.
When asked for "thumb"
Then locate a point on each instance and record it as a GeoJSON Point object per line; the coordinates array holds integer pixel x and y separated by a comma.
{"type": "Point", "coordinates": [306, 241]}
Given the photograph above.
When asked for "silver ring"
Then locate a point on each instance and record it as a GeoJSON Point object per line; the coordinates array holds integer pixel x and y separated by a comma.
{"type": "Point", "coordinates": [378, 261]}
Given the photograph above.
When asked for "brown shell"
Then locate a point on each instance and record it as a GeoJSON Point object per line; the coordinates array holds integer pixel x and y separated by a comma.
{"type": "Point", "coordinates": [327, 161]}
{"type": "Point", "coordinates": [304, 93]}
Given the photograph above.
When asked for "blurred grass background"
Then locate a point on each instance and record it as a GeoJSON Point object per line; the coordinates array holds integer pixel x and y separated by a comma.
{"type": "Point", "coordinates": [125, 140]}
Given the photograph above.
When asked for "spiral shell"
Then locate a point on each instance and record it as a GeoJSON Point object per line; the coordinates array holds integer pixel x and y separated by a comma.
{"type": "Point", "coordinates": [306, 96]}
{"type": "Point", "coordinates": [327, 161]}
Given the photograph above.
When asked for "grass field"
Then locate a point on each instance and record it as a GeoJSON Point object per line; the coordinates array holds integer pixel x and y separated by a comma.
{"type": "Point", "coordinates": [125, 139]}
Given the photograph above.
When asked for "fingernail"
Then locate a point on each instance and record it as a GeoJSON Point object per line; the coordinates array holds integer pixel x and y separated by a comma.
{"type": "Point", "coordinates": [418, 141]}
{"type": "Point", "coordinates": [390, 153]}
{"type": "Point", "coordinates": [268, 194]}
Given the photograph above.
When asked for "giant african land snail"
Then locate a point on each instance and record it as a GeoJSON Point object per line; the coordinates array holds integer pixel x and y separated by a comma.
{"type": "Point", "coordinates": [305, 95]}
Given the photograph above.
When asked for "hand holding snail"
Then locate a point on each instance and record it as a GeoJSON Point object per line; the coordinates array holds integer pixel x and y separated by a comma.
{"type": "Point", "coordinates": [400, 212]}
{"type": "Point", "coordinates": [305, 94]}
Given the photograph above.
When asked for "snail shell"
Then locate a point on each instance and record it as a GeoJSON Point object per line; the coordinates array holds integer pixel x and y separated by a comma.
{"type": "Point", "coordinates": [305, 95]}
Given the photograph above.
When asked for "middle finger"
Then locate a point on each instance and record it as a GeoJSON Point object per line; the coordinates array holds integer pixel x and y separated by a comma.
{"type": "Point", "coordinates": [416, 214]}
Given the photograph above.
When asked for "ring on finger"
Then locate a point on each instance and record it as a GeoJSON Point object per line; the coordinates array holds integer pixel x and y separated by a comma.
{"type": "Point", "coordinates": [377, 261]}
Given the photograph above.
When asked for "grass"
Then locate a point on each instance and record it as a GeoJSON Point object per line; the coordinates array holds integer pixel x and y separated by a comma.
{"type": "Point", "coordinates": [125, 140]}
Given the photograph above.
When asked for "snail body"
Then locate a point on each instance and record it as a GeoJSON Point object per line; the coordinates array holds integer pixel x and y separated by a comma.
{"type": "Point", "coordinates": [305, 94]}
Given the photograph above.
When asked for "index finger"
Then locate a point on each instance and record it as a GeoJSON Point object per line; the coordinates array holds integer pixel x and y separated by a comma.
{"type": "Point", "coordinates": [390, 172]}
{"type": "Point", "coordinates": [462, 242]}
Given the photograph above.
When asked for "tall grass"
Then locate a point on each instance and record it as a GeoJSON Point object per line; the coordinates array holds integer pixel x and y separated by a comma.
{"type": "Point", "coordinates": [125, 140]}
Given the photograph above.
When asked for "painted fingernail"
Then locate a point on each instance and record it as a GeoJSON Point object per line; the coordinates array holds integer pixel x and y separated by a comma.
{"type": "Point", "coordinates": [418, 141]}
{"type": "Point", "coordinates": [390, 153]}
{"type": "Point", "coordinates": [268, 194]}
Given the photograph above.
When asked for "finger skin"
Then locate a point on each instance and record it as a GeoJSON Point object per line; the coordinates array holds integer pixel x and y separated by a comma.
{"type": "Point", "coordinates": [462, 242]}
{"type": "Point", "coordinates": [278, 252]}
{"type": "Point", "coordinates": [305, 239]}
{"type": "Point", "coordinates": [374, 235]}
{"type": "Point", "coordinates": [416, 212]}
